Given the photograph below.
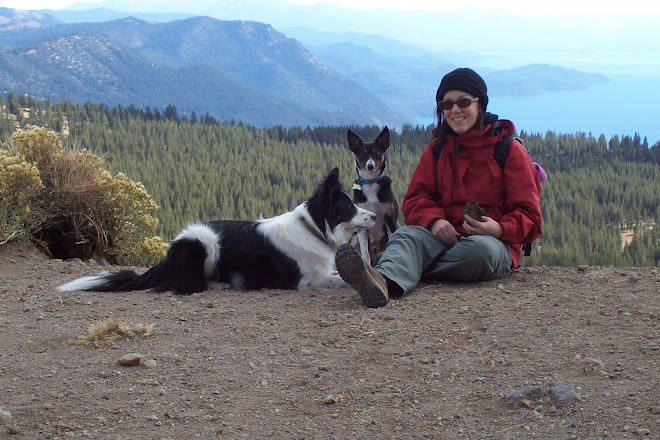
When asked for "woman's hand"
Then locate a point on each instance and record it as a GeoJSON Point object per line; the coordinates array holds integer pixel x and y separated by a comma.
{"type": "Point", "coordinates": [487, 226]}
{"type": "Point", "coordinates": [445, 232]}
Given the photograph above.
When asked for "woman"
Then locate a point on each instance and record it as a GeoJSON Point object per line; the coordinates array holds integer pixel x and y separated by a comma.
{"type": "Point", "coordinates": [440, 242]}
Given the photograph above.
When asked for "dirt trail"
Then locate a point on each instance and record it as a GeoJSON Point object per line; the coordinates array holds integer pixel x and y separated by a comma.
{"type": "Point", "coordinates": [318, 365]}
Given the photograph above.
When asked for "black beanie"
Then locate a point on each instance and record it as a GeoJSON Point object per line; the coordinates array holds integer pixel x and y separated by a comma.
{"type": "Point", "coordinates": [465, 80]}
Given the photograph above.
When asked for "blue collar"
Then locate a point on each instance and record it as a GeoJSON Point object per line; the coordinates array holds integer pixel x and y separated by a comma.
{"type": "Point", "coordinates": [364, 181]}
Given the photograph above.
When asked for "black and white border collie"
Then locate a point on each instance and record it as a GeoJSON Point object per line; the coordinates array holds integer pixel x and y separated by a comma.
{"type": "Point", "coordinates": [295, 250]}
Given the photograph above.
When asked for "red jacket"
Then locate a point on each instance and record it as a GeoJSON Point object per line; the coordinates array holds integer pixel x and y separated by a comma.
{"type": "Point", "coordinates": [466, 170]}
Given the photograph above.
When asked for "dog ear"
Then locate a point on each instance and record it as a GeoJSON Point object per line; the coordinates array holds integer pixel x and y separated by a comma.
{"type": "Point", "coordinates": [353, 140]}
{"type": "Point", "coordinates": [383, 138]}
{"type": "Point", "coordinates": [332, 180]}
{"type": "Point", "coordinates": [332, 185]}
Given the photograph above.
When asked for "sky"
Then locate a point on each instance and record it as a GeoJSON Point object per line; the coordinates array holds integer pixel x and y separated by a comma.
{"type": "Point", "coordinates": [531, 7]}
{"type": "Point", "coordinates": [524, 7]}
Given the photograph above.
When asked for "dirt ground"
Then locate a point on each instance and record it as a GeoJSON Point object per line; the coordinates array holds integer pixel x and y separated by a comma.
{"type": "Point", "coordinates": [438, 364]}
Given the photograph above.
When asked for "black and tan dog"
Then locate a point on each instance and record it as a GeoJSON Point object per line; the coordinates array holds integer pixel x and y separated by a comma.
{"type": "Point", "coordinates": [373, 191]}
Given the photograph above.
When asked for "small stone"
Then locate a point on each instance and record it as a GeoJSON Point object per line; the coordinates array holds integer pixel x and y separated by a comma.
{"type": "Point", "coordinates": [472, 209]}
{"type": "Point", "coordinates": [583, 268]}
{"type": "Point", "coordinates": [642, 431]}
{"type": "Point", "coordinates": [655, 409]}
{"type": "Point", "coordinates": [562, 396]}
{"type": "Point", "coordinates": [130, 359]}
{"type": "Point", "coordinates": [5, 417]}
{"type": "Point", "coordinates": [149, 363]}
{"type": "Point", "coordinates": [525, 397]}
{"type": "Point", "coordinates": [588, 364]}
{"type": "Point", "coordinates": [14, 429]}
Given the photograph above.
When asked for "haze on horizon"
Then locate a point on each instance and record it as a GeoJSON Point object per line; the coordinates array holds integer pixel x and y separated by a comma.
{"type": "Point", "coordinates": [517, 7]}
{"type": "Point", "coordinates": [611, 37]}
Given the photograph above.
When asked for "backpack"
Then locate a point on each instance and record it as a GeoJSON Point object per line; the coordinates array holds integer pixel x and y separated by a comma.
{"type": "Point", "coordinates": [500, 153]}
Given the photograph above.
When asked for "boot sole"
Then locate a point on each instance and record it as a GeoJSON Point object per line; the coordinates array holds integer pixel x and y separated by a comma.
{"type": "Point", "coordinates": [352, 269]}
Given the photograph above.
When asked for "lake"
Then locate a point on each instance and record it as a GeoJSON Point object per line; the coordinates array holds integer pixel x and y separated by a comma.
{"type": "Point", "coordinates": [628, 104]}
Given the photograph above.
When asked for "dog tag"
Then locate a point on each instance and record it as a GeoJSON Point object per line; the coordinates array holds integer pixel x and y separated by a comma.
{"type": "Point", "coordinates": [357, 186]}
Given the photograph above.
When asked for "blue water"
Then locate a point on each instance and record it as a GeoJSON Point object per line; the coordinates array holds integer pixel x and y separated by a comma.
{"type": "Point", "coordinates": [628, 104]}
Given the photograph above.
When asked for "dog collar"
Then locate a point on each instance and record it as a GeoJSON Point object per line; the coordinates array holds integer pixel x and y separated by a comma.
{"type": "Point", "coordinates": [364, 181]}
{"type": "Point", "coordinates": [316, 232]}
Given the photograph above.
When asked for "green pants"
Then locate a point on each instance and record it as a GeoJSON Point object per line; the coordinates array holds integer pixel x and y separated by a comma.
{"type": "Point", "coordinates": [414, 254]}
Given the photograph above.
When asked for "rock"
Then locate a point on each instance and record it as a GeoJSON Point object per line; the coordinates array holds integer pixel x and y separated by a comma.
{"type": "Point", "coordinates": [524, 397]}
{"type": "Point", "coordinates": [5, 417]}
{"type": "Point", "coordinates": [149, 363]}
{"type": "Point", "coordinates": [642, 431]}
{"type": "Point", "coordinates": [563, 396]}
{"type": "Point", "coordinates": [472, 209]}
{"type": "Point", "coordinates": [130, 359]}
{"type": "Point", "coordinates": [14, 429]}
{"type": "Point", "coordinates": [588, 364]}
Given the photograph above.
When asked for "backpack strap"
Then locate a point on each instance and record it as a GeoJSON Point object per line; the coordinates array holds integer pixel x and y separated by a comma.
{"type": "Point", "coordinates": [502, 148]}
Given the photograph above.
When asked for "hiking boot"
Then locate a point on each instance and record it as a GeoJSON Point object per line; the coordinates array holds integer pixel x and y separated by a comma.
{"type": "Point", "coordinates": [367, 281]}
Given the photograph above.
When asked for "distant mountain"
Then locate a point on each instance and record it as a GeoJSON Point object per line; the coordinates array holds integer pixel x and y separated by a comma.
{"type": "Point", "coordinates": [96, 15]}
{"type": "Point", "coordinates": [332, 77]}
{"type": "Point", "coordinates": [83, 67]}
{"type": "Point", "coordinates": [406, 77]}
{"type": "Point", "coordinates": [236, 58]}
{"type": "Point", "coordinates": [15, 20]}
{"type": "Point", "coordinates": [537, 78]}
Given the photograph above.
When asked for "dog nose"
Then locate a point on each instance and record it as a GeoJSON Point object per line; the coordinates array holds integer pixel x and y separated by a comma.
{"type": "Point", "coordinates": [371, 167]}
{"type": "Point", "coordinates": [373, 216]}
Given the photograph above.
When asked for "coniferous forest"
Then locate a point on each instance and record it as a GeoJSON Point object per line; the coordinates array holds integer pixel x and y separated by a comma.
{"type": "Point", "coordinates": [598, 190]}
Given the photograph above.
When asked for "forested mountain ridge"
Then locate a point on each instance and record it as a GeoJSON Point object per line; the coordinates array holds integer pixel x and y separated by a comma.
{"type": "Point", "coordinates": [200, 169]}
{"type": "Point", "coordinates": [225, 67]}
{"type": "Point", "coordinates": [82, 65]}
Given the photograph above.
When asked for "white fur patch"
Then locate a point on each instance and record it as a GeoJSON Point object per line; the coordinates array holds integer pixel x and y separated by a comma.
{"type": "Point", "coordinates": [209, 238]}
{"type": "Point", "coordinates": [84, 283]}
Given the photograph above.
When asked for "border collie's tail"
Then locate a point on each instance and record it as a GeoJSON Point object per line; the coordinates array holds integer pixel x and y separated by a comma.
{"type": "Point", "coordinates": [107, 282]}
{"type": "Point", "coordinates": [190, 261]}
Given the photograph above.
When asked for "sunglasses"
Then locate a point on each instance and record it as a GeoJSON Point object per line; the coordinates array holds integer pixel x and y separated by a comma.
{"type": "Point", "coordinates": [448, 104]}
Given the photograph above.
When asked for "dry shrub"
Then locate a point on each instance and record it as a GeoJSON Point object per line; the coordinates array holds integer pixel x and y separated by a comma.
{"type": "Point", "coordinates": [20, 184]}
{"type": "Point", "coordinates": [104, 333]}
{"type": "Point", "coordinates": [82, 210]}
